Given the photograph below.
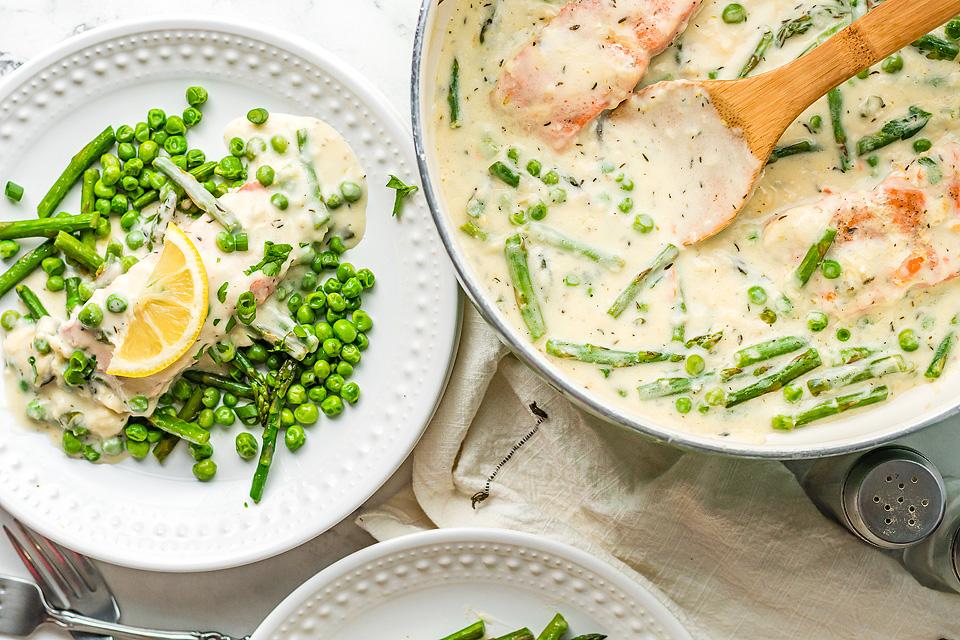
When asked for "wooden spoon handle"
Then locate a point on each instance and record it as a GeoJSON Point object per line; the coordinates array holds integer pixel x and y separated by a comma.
{"type": "Point", "coordinates": [881, 32]}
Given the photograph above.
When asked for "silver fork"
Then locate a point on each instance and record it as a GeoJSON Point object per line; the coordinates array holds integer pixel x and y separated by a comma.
{"type": "Point", "coordinates": [79, 584]}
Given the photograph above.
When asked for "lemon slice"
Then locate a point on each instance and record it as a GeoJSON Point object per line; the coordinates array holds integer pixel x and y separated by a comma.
{"type": "Point", "coordinates": [168, 315]}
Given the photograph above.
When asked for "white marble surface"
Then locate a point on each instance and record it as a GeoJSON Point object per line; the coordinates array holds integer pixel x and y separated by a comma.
{"type": "Point", "coordinates": [376, 38]}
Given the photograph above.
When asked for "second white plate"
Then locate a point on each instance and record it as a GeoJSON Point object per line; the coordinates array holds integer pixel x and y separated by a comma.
{"type": "Point", "coordinates": [142, 515]}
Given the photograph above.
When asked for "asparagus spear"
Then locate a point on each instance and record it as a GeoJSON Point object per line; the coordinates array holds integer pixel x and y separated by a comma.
{"type": "Point", "coordinates": [188, 413]}
{"type": "Point", "coordinates": [198, 194]}
{"type": "Point", "coordinates": [831, 407]}
{"type": "Point", "coordinates": [609, 357]}
{"type": "Point", "coordinates": [707, 341]}
{"type": "Point", "coordinates": [768, 349]}
{"type": "Point", "coordinates": [758, 53]}
{"type": "Point", "coordinates": [663, 261]}
{"type": "Point", "coordinates": [146, 198]}
{"type": "Point", "coordinates": [505, 173]}
{"type": "Point", "coordinates": [803, 363]}
{"type": "Point", "coordinates": [322, 214]}
{"type": "Point", "coordinates": [71, 287]}
{"type": "Point", "coordinates": [31, 301]}
{"type": "Point", "coordinates": [78, 164]}
{"type": "Point", "coordinates": [220, 382]}
{"type": "Point", "coordinates": [203, 171]}
{"type": "Point", "coordinates": [25, 265]}
{"type": "Point", "coordinates": [936, 48]}
{"type": "Point", "coordinates": [835, 103]}
{"type": "Point", "coordinates": [87, 200]}
{"type": "Point", "coordinates": [940, 357]}
{"type": "Point", "coordinates": [285, 376]}
{"type": "Point", "coordinates": [858, 372]}
{"type": "Point", "coordinates": [471, 229]}
{"type": "Point", "coordinates": [554, 629]}
{"type": "Point", "coordinates": [679, 331]}
{"type": "Point", "coordinates": [453, 94]}
{"type": "Point", "coordinates": [48, 227]}
{"type": "Point", "coordinates": [550, 236]}
{"type": "Point", "coordinates": [897, 129]}
{"type": "Point", "coordinates": [787, 150]}
{"type": "Point", "coordinates": [73, 248]}
{"type": "Point", "coordinates": [662, 387]}
{"type": "Point", "coordinates": [519, 634]}
{"type": "Point", "coordinates": [515, 250]}
{"type": "Point", "coordinates": [189, 431]}
{"type": "Point", "coordinates": [823, 37]}
{"type": "Point", "coordinates": [855, 354]}
{"type": "Point", "coordinates": [473, 632]}
{"type": "Point", "coordinates": [590, 636]}
{"type": "Point", "coordinates": [815, 255]}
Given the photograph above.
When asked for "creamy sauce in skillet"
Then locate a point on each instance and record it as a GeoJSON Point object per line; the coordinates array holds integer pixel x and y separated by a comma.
{"type": "Point", "coordinates": [615, 192]}
{"type": "Point", "coordinates": [103, 404]}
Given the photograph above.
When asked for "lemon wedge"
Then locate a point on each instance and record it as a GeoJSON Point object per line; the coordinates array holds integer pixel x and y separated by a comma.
{"type": "Point", "coordinates": [168, 315]}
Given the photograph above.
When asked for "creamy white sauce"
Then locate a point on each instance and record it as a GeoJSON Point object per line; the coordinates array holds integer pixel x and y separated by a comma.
{"type": "Point", "coordinates": [604, 166]}
{"type": "Point", "coordinates": [103, 405]}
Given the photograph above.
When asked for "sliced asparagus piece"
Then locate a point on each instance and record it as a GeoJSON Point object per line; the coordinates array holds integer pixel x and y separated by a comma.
{"type": "Point", "coordinates": [766, 39]}
{"type": "Point", "coordinates": [555, 629]}
{"type": "Point", "coordinates": [189, 431]}
{"type": "Point", "coordinates": [815, 255]}
{"type": "Point", "coordinates": [78, 164]}
{"type": "Point", "coordinates": [835, 104]}
{"type": "Point", "coordinates": [515, 250]}
{"type": "Point", "coordinates": [453, 94]}
{"type": "Point", "coordinates": [936, 48]}
{"type": "Point", "coordinates": [48, 227]}
{"type": "Point", "coordinates": [73, 248]}
{"type": "Point", "coordinates": [220, 382]}
{"type": "Point", "coordinates": [855, 354]}
{"type": "Point", "coordinates": [831, 407]}
{"type": "Point", "coordinates": [803, 363]}
{"type": "Point", "coordinates": [707, 341]}
{"type": "Point", "coordinates": [475, 631]}
{"type": "Point", "coordinates": [897, 129]}
{"type": "Point", "coordinates": [796, 148]}
{"type": "Point", "coordinates": [474, 231]}
{"type": "Point", "coordinates": [662, 387]}
{"type": "Point", "coordinates": [940, 357]}
{"type": "Point", "coordinates": [609, 357]}
{"type": "Point", "coordinates": [322, 215]}
{"type": "Point", "coordinates": [87, 200]}
{"type": "Point", "coordinates": [31, 301]}
{"type": "Point", "coordinates": [857, 372]}
{"type": "Point", "coordinates": [198, 194]}
{"type": "Point", "coordinates": [289, 370]}
{"type": "Point", "coordinates": [25, 265]}
{"type": "Point", "coordinates": [550, 236]}
{"type": "Point", "coordinates": [663, 261]}
{"type": "Point", "coordinates": [768, 349]}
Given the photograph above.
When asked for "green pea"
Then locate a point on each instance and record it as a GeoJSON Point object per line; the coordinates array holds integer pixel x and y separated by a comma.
{"type": "Point", "coordinates": [9, 248]}
{"type": "Point", "coordinates": [9, 319]}
{"type": "Point", "coordinates": [279, 143]}
{"type": "Point", "coordinates": [306, 315]}
{"type": "Point", "coordinates": [156, 118]}
{"type": "Point", "coordinates": [643, 223]}
{"type": "Point", "coordinates": [334, 383]}
{"type": "Point", "coordinates": [54, 283]}
{"type": "Point", "coordinates": [317, 394]}
{"type": "Point", "coordinates": [191, 117]}
{"type": "Point", "coordinates": [296, 394]}
{"type": "Point", "coordinates": [769, 316]}
{"type": "Point", "coordinates": [551, 177]}
{"type": "Point", "coordinates": [815, 123]}
{"type": "Point", "coordinates": [336, 302]}
{"type": "Point", "coordinates": [715, 397]}
{"type": "Point", "coordinates": [321, 368]}
{"type": "Point", "coordinates": [734, 13]}
{"type": "Point", "coordinates": [279, 201]}
{"type": "Point", "coordinates": [757, 294]}
{"type": "Point", "coordinates": [135, 239]}
{"type": "Point", "coordinates": [91, 315]}
{"type": "Point", "coordinates": [174, 126]}
{"type": "Point", "coordinates": [247, 446]}
{"type": "Point", "coordinates": [695, 364]}
{"type": "Point", "coordinates": [922, 145]}
{"type": "Point", "coordinates": [211, 397]}
{"type": "Point", "coordinates": [196, 95]}
{"type": "Point", "coordinates": [255, 146]}
{"type": "Point", "coordinates": [337, 246]}
{"type": "Point", "coordinates": [176, 145]}
{"type": "Point", "coordinates": [534, 167]}
{"type": "Point", "coordinates": [908, 340]}
{"type": "Point", "coordinates": [128, 261]}
{"type": "Point", "coordinates": [626, 205]}
{"type": "Point", "coordinates": [817, 321]}
{"type": "Point", "coordinates": [224, 415]}
{"type": "Point", "coordinates": [344, 369]}
{"type": "Point", "coordinates": [141, 132]}
{"type": "Point", "coordinates": [286, 417]}
{"type": "Point", "coordinates": [129, 219]}
{"type": "Point", "coordinates": [892, 64]}
{"type": "Point", "coordinates": [351, 191]}
{"type": "Point", "coordinates": [256, 353]}
{"type": "Point", "coordinates": [626, 184]}
{"type": "Point", "coordinates": [537, 211]}
{"type": "Point", "coordinates": [138, 450]}
{"type": "Point", "coordinates": [53, 266]}
{"type": "Point", "coordinates": [306, 413]}
{"type": "Point", "coordinates": [309, 283]}
{"type": "Point", "coordinates": [116, 303]}
{"type": "Point", "coordinates": [148, 152]}
{"type": "Point", "coordinates": [793, 393]}
{"type": "Point", "coordinates": [205, 418]}
{"type": "Point", "coordinates": [831, 269]}
{"type": "Point", "coordinates": [350, 392]}
{"type": "Point", "coordinates": [683, 404]}
{"type": "Point", "coordinates": [41, 345]}
{"type": "Point", "coordinates": [294, 437]}
{"type": "Point", "coordinates": [258, 116]}
{"type": "Point", "coordinates": [332, 406]}
{"type": "Point", "coordinates": [72, 445]}
{"type": "Point", "coordinates": [843, 334]}
{"type": "Point", "coordinates": [126, 151]}
{"type": "Point", "coordinates": [265, 175]}
{"type": "Point", "coordinates": [205, 470]}
{"type": "Point", "coordinates": [226, 242]}
{"type": "Point", "coordinates": [103, 190]}
{"type": "Point", "coordinates": [352, 289]}
{"type": "Point", "coordinates": [119, 204]}
{"type": "Point", "coordinates": [351, 352]}
{"type": "Point", "coordinates": [124, 133]}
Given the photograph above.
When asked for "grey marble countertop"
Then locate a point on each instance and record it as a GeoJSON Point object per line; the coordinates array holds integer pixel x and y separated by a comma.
{"type": "Point", "coordinates": [376, 37]}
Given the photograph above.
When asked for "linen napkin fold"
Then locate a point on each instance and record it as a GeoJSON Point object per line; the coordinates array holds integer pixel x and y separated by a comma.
{"type": "Point", "coordinates": [734, 547]}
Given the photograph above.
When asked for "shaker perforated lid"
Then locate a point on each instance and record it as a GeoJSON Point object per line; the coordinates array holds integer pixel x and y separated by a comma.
{"type": "Point", "coordinates": [894, 497]}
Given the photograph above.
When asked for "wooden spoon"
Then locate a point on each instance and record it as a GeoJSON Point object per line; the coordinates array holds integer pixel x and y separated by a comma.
{"type": "Point", "coordinates": [762, 107]}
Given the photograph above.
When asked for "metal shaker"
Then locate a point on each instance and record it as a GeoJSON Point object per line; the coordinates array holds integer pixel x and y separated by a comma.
{"type": "Point", "coordinates": [892, 497]}
{"type": "Point", "coordinates": [935, 562]}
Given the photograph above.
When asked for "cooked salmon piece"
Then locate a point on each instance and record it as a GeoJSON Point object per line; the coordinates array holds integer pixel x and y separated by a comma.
{"type": "Point", "coordinates": [588, 59]}
{"type": "Point", "coordinates": [903, 234]}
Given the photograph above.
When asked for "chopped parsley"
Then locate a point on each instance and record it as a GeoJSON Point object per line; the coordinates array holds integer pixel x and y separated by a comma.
{"type": "Point", "coordinates": [274, 255]}
{"type": "Point", "coordinates": [403, 191]}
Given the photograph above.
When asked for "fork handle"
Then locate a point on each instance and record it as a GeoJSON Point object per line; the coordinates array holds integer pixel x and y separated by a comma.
{"type": "Point", "coordinates": [75, 622]}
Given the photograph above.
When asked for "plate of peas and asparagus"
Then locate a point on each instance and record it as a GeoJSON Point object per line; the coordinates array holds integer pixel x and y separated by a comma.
{"type": "Point", "coordinates": [215, 313]}
{"type": "Point", "coordinates": [471, 584]}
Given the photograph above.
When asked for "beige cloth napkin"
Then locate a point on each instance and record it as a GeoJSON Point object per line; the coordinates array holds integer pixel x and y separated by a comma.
{"type": "Point", "coordinates": [734, 547]}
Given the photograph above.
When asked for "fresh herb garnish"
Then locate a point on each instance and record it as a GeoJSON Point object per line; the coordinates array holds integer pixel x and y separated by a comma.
{"type": "Point", "coordinates": [274, 255]}
{"type": "Point", "coordinates": [403, 191]}
{"type": "Point", "coordinates": [222, 292]}
{"type": "Point", "coordinates": [79, 368]}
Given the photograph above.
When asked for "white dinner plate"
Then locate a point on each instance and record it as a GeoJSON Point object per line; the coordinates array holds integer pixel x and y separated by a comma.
{"type": "Point", "coordinates": [148, 516]}
{"type": "Point", "coordinates": [427, 585]}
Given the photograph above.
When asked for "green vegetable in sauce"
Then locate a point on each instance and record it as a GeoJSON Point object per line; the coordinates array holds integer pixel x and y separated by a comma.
{"type": "Point", "coordinates": [504, 173]}
{"type": "Point", "coordinates": [940, 356]}
{"type": "Point", "coordinates": [603, 356]}
{"type": "Point", "coordinates": [936, 48]}
{"type": "Point", "coordinates": [835, 103]}
{"type": "Point", "coordinates": [814, 255]}
{"type": "Point", "coordinates": [453, 94]}
{"type": "Point", "coordinates": [403, 191]}
{"type": "Point", "coordinates": [908, 340]}
{"type": "Point", "coordinates": [857, 372]}
{"type": "Point", "coordinates": [796, 148]}
{"type": "Point", "coordinates": [515, 252]}
{"type": "Point", "coordinates": [803, 363]}
{"type": "Point", "coordinates": [897, 129]}
{"type": "Point", "coordinates": [78, 164]}
{"type": "Point", "coordinates": [663, 261]}
{"type": "Point", "coordinates": [734, 14]}
{"type": "Point", "coordinates": [758, 53]}
{"type": "Point", "coordinates": [831, 407]}
{"type": "Point", "coordinates": [768, 349]}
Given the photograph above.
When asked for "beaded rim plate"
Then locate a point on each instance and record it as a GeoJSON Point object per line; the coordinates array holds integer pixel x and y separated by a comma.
{"type": "Point", "coordinates": [146, 516]}
{"type": "Point", "coordinates": [426, 585]}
